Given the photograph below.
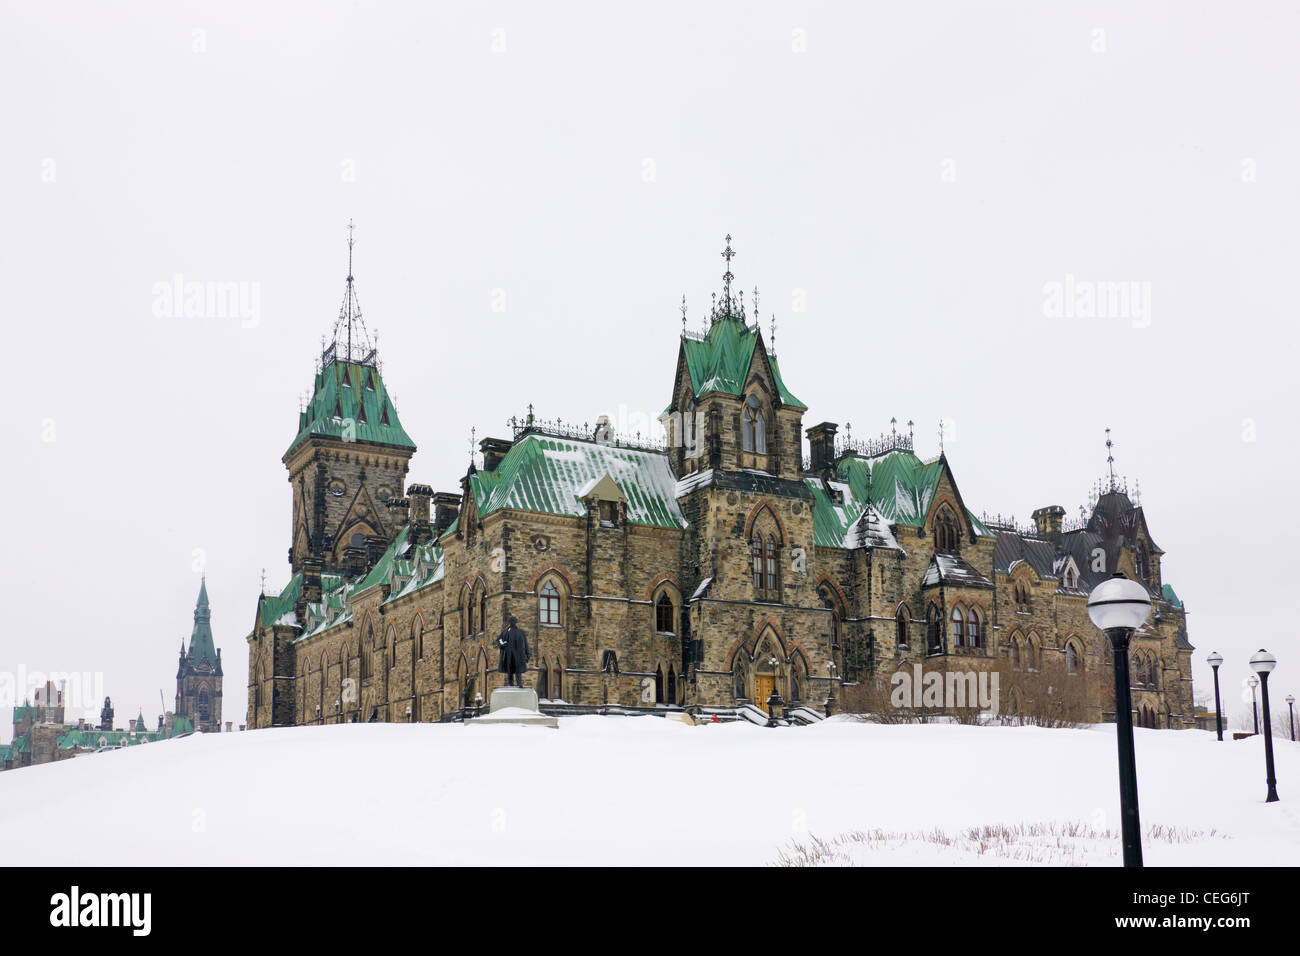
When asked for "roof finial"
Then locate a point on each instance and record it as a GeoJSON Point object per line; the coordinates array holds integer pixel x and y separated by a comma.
{"type": "Point", "coordinates": [941, 437]}
{"type": "Point", "coordinates": [263, 590]}
{"type": "Point", "coordinates": [728, 307]}
{"type": "Point", "coordinates": [1110, 459]}
{"type": "Point", "coordinates": [683, 313]}
{"type": "Point", "coordinates": [773, 332]}
{"type": "Point", "coordinates": [473, 433]}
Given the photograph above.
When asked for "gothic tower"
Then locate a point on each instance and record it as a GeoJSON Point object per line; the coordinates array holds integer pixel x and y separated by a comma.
{"type": "Point", "coordinates": [350, 456]}
{"type": "Point", "coordinates": [198, 678]}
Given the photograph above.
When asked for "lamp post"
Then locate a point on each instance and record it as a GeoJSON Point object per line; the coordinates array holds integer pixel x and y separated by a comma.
{"type": "Point", "coordinates": [1214, 660]}
{"type": "Point", "coordinates": [1118, 606]}
{"type": "Point", "coordinates": [830, 694]}
{"type": "Point", "coordinates": [774, 699]}
{"type": "Point", "coordinates": [1254, 708]}
{"type": "Point", "coordinates": [1263, 663]}
{"type": "Point", "coordinates": [1290, 704]}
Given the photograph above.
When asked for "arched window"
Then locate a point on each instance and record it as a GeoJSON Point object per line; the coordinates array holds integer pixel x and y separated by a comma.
{"type": "Point", "coordinates": [482, 610]}
{"type": "Point", "coordinates": [1015, 653]}
{"type": "Point", "coordinates": [769, 558]}
{"type": "Point", "coordinates": [934, 641]}
{"type": "Point", "coordinates": [738, 678]}
{"type": "Point", "coordinates": [756, 549]}
{"type": "Point", "coordinates": [672, 686]}
{"type": "Point", "coordinates": [900, 626]}
{"type": "Point", "coordinates": [1071, 659]}
{"type": "Point", "coordinates": [203, 704]}
{"type": "Point", "coordinates": [548, 605]}
{"type": "Point", "coordinates": [946, 532]}
{"type": "Point", "coordinates": [659, 685]}
{"type": "Point", "coordinates": [543, 680]}
{"type": "Point", "coordinates": [557, 688]}
{"type": "Point", "coordinates": [973, 636]}
{"type": "Point", "coordinates": [466, 613]}
{"type": "Point", "coordinates": [958, 628]}
{"type": "Point", "coordinates": [417, 626]}
{"type": "Point", "coordinates": [664, 623]}
{"type": "Point", "coordinates": [754, 427]}
{"type": "Point", "coordinates": [1031, 655]}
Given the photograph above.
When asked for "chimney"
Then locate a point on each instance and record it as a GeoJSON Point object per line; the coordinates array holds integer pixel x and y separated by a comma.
{"type": "Point", "coordinates": [821, 443]}
{"type": "Point", "coordinates": [446, 505]}
{"type": "Point", "coordinates": [1048, 522]}
{"type": "Point", "coordinates": [419, 512]}
{"type": "Point", "coordinates": [494, 449]}
{"type": "Point", "coordinates": [228, 723]}
{"type": "Point", "coordinates": [375, 548]}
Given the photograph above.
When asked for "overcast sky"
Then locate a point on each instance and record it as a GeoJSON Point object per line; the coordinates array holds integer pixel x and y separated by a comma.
{"type": "Point", "coordinates": [535, 186]}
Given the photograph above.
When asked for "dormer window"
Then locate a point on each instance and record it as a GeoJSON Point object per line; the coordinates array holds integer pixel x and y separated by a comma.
{"type": "Point", "coordinates": [383, 414]}
{"type": "Point", "coordinates": [754, 427]}
{"type": "Point", "coordinates": [370, 381]}
{"type": "Point", "coordinates": [608, 514]}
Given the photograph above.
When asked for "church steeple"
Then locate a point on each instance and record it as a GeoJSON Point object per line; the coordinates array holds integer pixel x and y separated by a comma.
{"type": "Point", "coordinates": [201, 644]}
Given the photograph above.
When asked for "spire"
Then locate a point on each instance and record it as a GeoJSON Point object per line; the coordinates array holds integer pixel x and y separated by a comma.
{"type": "Point", "coordinates": [1110, 459]}
{"type": "Point", "coordinates": [201, 644]}
{"type": "Point", "coordinates": [727, 307]}
{"type": "Point", "coordinates": [350, 343]}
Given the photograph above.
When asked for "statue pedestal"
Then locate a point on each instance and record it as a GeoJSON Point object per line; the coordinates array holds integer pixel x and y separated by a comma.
{"type": "Point", "coordinates": [523, 697]}
{"type": "Point", "coordinates": [514, 705]}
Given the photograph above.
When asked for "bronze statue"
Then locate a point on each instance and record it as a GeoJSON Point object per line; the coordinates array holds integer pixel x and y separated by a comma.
{"type": "Point", "coordinates": [514, 653]}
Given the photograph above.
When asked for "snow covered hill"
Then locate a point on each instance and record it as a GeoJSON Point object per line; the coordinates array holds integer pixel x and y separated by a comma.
{"type": "Point", "coordinates": [645, 791]}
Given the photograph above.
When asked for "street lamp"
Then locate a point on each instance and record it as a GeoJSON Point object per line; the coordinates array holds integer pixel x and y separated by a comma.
{"type": "Point", "coordinates": [774, 699]}
{"type": "Point", "coordinates": [1254, 708]}
{"type": "Point", "coordinates": [1263, 663]}
{"type": "Point", "coordinates": [830, 693]}
{"type": "Point", "coordinates": [1214, 660]}
{"type": "Point", "coordinates": [1290, 704]}
{"type": "Point", "coordinates": [1119, 606]}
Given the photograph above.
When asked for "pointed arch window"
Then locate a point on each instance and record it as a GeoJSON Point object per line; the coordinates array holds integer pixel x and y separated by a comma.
{"type": "Point", "coordinates": [933, 632]}
{"type": "Point", "coordinates": [769, 559]}
{"type": "Point", "coordinates": [757, 551]}
{"type": "Point", "coordinates": [958, 631]}
{"type": "Point", "coordinates": [900, 627]}
{"type": "Point", "coordinates": [973, 636]}
{"type": "Point", "coordinates": [672, 686]}
{"type": "Point", "coordinates": [482, 610]}
{"type": "Point", "coordinates": [1071, 659]}
{"type": "Point", "coordinates": [754, 427]}
{"type": "Point", "coordinates": [548, 605]}
{"type": "Point", "coordinates": [659, 685]}
{"type": "Point", "coordinates": [664, 616]}
{"type": "Point", "coordinates": [1015, 653]}
{"type": "Point", "coordinates": [204, 713]}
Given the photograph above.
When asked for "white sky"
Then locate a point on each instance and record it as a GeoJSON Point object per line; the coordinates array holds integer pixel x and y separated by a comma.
{"type": "Point", "coordinates": [129, 156]}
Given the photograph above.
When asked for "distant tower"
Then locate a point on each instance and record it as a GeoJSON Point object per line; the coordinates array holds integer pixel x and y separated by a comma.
{"type": "Point", "coordinates": [198, 678]}
{"type": "Point", "coordinates": [349, 457]}
{"type": "Point", "coordinates": [106, 715]}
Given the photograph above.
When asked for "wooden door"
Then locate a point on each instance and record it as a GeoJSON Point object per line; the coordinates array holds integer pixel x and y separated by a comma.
{"type": "Point", "coordinates": [764, 684]}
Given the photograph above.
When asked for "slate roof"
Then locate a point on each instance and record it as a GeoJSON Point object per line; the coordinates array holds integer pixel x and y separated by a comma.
{"type": "Point", "coordinates": [952, 570]}
{"type": "Point", "coordinates": [349, 390]}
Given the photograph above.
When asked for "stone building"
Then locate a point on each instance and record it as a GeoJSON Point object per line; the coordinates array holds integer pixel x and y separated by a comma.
{"type": "Point", "coordinates": [198, 676]}
{"type": "Point", "coordinates": [712, 571]}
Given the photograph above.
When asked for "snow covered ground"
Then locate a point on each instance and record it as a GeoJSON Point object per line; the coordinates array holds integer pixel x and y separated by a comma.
{"type": "Point", "coordinates": [645, 791]}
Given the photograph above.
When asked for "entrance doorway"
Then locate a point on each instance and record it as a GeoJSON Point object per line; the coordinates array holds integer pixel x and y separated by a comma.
{"type": "Point", "coordinates": [764, 684]}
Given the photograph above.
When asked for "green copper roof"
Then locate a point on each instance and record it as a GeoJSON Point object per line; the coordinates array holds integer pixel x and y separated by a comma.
{"type": "Point", "coordinates": [6, 752]}
{"type": "Point", "coordinates": [201, 645]}
{"type": "Point", "coordinates": [546, 474]}
{"type": "Point", "coordinates": [348, 392]}
{"type": "Point", "coordinates": [902, 486]}
{"type": "Point", "coordinates": [272, 607]}
{"type": "Point", "coordinates": [20, 713]}
{"type": "Point", "coordinates": [720, 361]}
{"type": "Point", "coordinates": [1167, 592]}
